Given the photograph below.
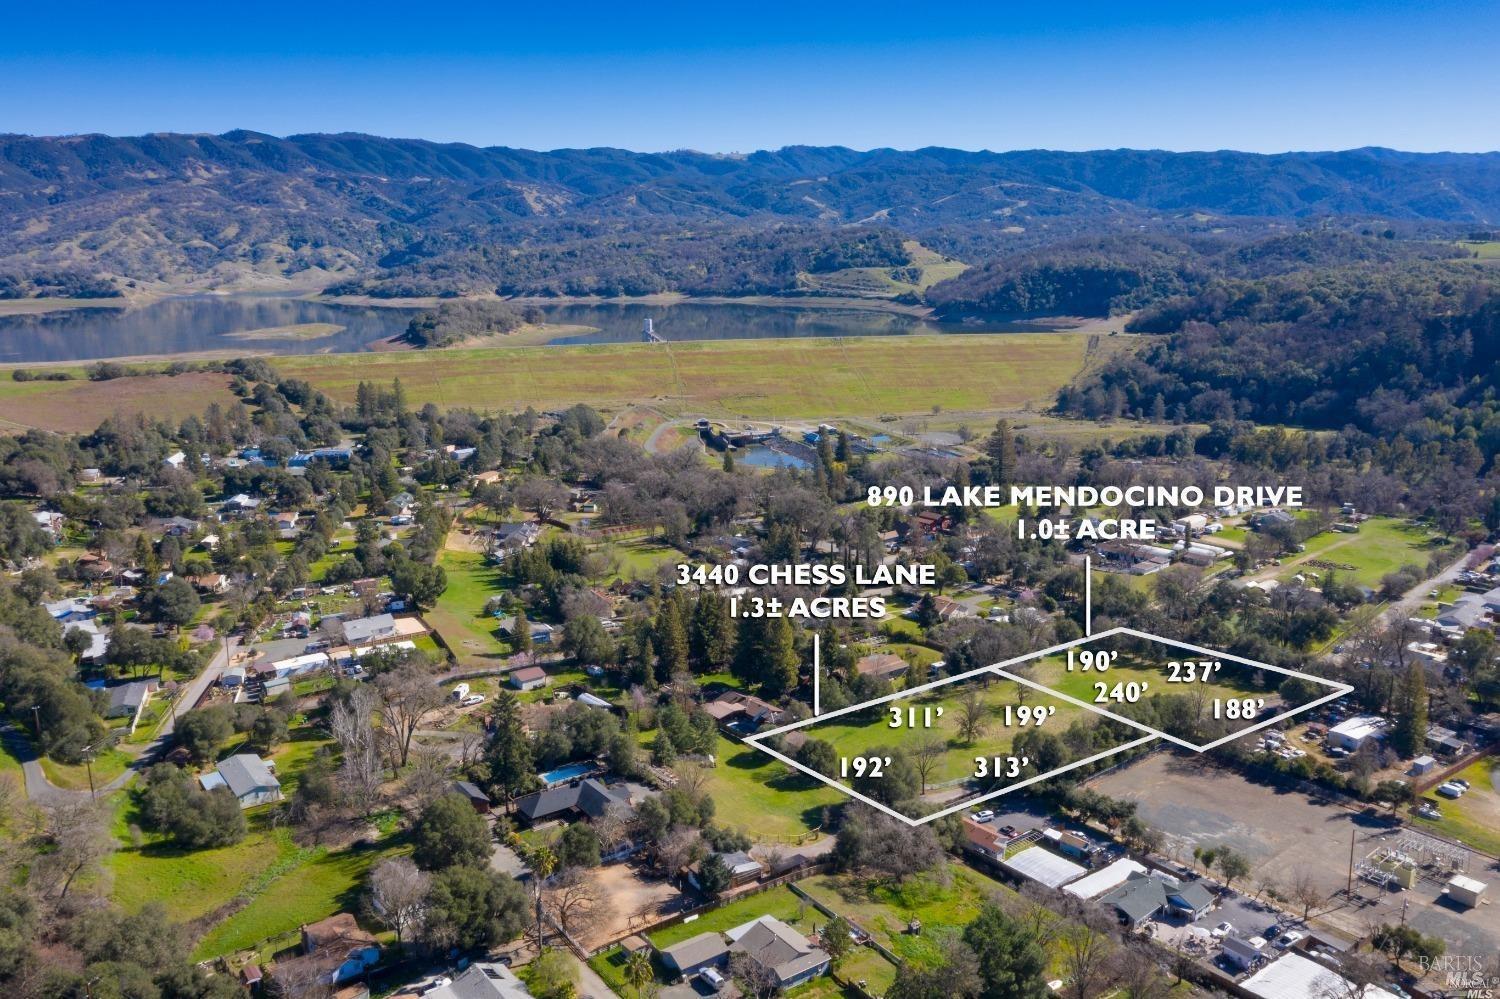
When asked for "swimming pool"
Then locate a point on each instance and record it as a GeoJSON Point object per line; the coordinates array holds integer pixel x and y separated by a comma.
{"type": "Point", "coordinates": [564, 774]}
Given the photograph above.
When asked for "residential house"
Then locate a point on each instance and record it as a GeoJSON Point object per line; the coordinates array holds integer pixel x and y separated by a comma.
{"type": "Point", "coordinates": [738, 711]}
{"type": "Point", "coordinates": [884, 665]}
{"type": "Point", "coordinates": [541, 633]}
{"type": "Point", "coordinates": [481, 980]}
{"type": "Point", "coordinates": [780, 951]}
{"type": "Point", "coordinates": [1138, 900]}
{"type": "Point", "coordinates": [98, 647]}
{"type": "Point", "coordinates": [128, 700]}
{"type": "Point", "coordinates": [71, 609]}
{"type": "Point", "coordinates": [370, 630]}
{"type": "Point", "coordinates": [286, 523]}
{"type": "Point", "coordinates": [529, 678]}
{"type": "Point", "coordinates": [1243, 952]}
{"type": "Point", "coordinates": [690, 956]}
{"type": "Point", "coordinates": [51, 522]}
{"type": "Point", "coordinates": [1189, 900]}
{"type": "Point", "coordinates": [241, 504]}
{"type": "Point", "coordinates": [175, 459]}
{"type": "Point", "coordinates": [210, 582]}
{"type": "Point", "coordinates": [984, 839]}
{"type": "Point", "coordinates": [511, 538]}
{"type": "Point", "coordinates": [1268, 519]}
{"type": "Point", "coordinates": [177, 527]}
{"type": "Point", "coordinates": [476, 797]}
{"type": "Point", "coordinates": [743, 869]}
{"type": "Point", "coordinates": [335, 952]}
{"type": "Point", "coordinates": [247, 777]}
{"type": "Point", "coordinates": [947, 608]}
{"type": "Point", "coordinates": [1445, 741]}
{"type": "Point", "coordinates": [589, 797]}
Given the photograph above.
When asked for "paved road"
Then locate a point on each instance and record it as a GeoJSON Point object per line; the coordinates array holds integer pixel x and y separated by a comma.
{"type": "Point", "coordinates": [589, 983]}
{"type": "Point", "coordinates": [42, 791]}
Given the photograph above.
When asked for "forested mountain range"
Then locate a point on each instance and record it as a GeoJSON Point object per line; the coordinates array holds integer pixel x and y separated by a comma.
{"type": "Point", "coordinates": [396, 216]}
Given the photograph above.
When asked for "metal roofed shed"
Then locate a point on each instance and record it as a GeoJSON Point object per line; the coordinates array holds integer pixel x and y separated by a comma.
{"type": "Point", "coordinates": [1293, 976]}
{"type": "Point", "coordinates": [1102, 880]}
{"type": "Point", "coordinates": [1351, 733]}
{"type": "Point", "coordinates": [1465, 890]}
{"type": "Point", "coordinates": [1044, 867]}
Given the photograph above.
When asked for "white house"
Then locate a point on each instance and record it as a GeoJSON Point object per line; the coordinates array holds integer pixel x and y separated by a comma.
{"type": "Point", "coordinates": [1352, 733]}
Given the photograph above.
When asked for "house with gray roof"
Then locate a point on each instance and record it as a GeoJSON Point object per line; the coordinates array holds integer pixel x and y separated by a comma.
{"type": "Point", "coordinates": [589, 797]}
{"type": "Point", "coordinates": [126, 700]}
{"type": "Point", "coordinates": [247, 777]}
{"type": "Point", "coordinates": [482, 980]}
{"type": "Point", "coordinates": [368, 630]}
{"type": "Point", "coordinates": [1189, 899]}
{"type": "Point", "coordinates": [779, 950]}
{"type": "Point", "coordinates": [706, 950]}
{"type": "Point", "coordinates": [1137, 900]}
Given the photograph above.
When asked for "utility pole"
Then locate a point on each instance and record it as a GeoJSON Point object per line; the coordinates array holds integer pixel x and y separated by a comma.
{"type": "Point", "coordinates": [1350, 889]}
{"type": "Point", "coordinates": [88, 765]}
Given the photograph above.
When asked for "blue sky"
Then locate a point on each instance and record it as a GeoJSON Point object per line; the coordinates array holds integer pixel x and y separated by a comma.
{"type": "Point", "coordinates": [727, 77]}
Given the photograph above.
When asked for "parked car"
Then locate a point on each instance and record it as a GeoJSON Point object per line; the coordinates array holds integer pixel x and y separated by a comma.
{"type": "Point", "coordinates": [472, 700]}
{"type": "Point", "coordinates": [1223, 929]}
{"type": "Point", "coordinates": [1290, 939]}
{"type": "Point", "coordinates": [984, 816]}
{"type": "Point", "coordinates": [1451, 790]}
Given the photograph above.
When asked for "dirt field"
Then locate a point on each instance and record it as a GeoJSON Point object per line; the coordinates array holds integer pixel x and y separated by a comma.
{"type": "Point", "coordinates": [631, 898]}
{"type": "Point", "coordinates": [79, 406]}
{"type": "Point", "coordinates": [1286, 832]}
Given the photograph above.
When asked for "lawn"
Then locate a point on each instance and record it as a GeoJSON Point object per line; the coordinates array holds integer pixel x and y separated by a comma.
{"type": "Point", "coordinates": [106, 766]}
{"type": "Point", "coordinates": [1383, 545]}
{"type": "Point", "coordinates": [946, 899]}
{"type": "Point", "coordinates": [813, 377]}
{"type": "Point", "coordinates": [1474, 818]}
{"type": "Point", "coordinates": [459, 616]}
{"type": "Point", "coordinates": [308, 886]}
{"type": "Point", "coordinates": [764, 797]}
{"type": "Point", "coordinates": [640, 558]}
{"type": "Point", "coordinates": [194, 883]}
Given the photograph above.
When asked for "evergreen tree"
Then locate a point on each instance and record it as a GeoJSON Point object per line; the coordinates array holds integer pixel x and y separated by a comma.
{"type": "Point", "coordinates": [670, 635]}
{"type": "Point", "coordinates": [728, 460]}
{"type": "Point", "coordinates": [520, 633]}
{"type": "Point", "coordinates": [1410, 732]}
{"type": "Point", "coordinates": [1001, 450]}
{"type": "Point", "coordinates": [711, 641]}
{"type": "Point", "coordinates": [512, 768]}
{"type": "Point", "coordinates": [780, 662]}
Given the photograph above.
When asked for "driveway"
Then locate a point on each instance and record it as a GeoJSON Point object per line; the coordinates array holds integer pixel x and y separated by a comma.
{"type": "Point", "coordinates": [42, 791]}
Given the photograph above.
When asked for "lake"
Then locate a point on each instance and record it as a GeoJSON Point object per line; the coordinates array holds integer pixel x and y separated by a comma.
{"type": "Point", "coordinates": [191, 324]}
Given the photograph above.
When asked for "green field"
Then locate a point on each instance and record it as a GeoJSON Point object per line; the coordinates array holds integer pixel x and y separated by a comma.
{"type": "Point", "coordinates": [459, 615]}
{"type": "Point", "coordinates": [950, 898]}
{"type": "Point", "coordinates": [863, 733]}
{"type": "Point", "coordinates": [1474, 818]}
{"type": "Point", "coordinates": [1382, 545]}
{"type": "Point", "coordinates": [1484, 250]}
{"type": "Point", "coordinates": [763, 797]}
{"type": "Point", "coordinates": [752, 378]}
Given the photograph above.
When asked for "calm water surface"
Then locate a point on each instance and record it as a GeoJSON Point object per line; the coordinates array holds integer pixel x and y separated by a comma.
{"type": "Point", "coordinates": [208, 322]}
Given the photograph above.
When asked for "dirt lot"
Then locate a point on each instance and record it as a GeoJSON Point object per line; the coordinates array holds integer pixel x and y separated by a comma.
{"type": "Point", "coordinates": [1286, 832]}
{"type": "Point", "coordinates": [635, 900]}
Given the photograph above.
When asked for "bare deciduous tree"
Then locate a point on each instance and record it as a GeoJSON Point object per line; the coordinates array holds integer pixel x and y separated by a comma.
{"type": "Point", "coordinates": [925, 757]}
{"type": "Point", "coordinates": [576, 901]}
{"type": "Point", "coordinates": [972, 715]}
{"type": "Point", "coordinates": [407, 696]}
{"type": "Point", "coordinates": [399, 890]}
{"type": "Point", "coordinates": [353, 723]}
{"type": "Point", "coordinates": [79, 833]}
{"type": "Point", "coordinates": [1085, 961]}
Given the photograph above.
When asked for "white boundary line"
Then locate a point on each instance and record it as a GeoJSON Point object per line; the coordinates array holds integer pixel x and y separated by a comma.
{"type": "Point", "coordinates": [998, 669]}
